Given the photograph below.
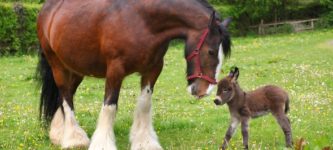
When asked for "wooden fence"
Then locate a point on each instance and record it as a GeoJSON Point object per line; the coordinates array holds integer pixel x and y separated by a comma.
{"type": "Point", "coordinates": [297, 26]}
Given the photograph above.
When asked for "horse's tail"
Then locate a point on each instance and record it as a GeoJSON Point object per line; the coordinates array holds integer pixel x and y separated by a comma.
{"type": "Point", "coordinates": [286, 108]}
{"type": "Point", "coordinates": [49, 97]}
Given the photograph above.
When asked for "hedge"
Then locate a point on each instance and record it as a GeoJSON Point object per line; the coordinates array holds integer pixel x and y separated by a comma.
{"type": "Point", "coordinates": [18, 28]}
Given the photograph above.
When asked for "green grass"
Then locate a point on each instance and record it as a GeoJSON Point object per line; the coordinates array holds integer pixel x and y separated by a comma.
{"type": "Point", "coordinates": [301, 63]}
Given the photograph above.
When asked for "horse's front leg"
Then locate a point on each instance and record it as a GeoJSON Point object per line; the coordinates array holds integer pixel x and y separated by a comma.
{"type": "Point", "coordinates": [103, 137]}
{"type": "Point", "coordinates": [143, 136]}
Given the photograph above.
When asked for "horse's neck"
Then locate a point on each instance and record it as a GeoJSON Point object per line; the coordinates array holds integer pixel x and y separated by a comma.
{"type": "Point", "coordinates": [177, 18]}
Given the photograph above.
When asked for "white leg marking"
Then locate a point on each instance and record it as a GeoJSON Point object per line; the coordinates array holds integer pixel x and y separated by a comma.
{"type": "Point", "coordinates": [218, 69]}
{"type": "Point", "coordinates": [103, 138]}
{"type": "Point", "coordinates": [143, 136]}
{"type": "Point", "coordinates": [234, 124]}
{"type": "Point", "coordinates": [57, 127]}
{"type": "Point", "coordinates": [74, 135]}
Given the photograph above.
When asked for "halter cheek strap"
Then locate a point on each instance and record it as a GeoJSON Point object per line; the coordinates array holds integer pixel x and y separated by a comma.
{"type": "Point", "coordinates": [195, 54]}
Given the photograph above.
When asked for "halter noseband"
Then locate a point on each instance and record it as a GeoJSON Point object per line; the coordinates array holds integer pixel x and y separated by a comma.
{"type": "Point", "coordinates": [195, 55]}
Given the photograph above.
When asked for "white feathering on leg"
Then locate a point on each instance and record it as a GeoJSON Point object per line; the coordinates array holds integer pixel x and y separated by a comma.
{"type": "Point", "coordinates": [103, 138]}
{"type": "Point", "coordinates": [57, 127]}
{"type": "Point", "coordinates": [143, 136]}
{"type": "Point", "coordinates": [74, 135]}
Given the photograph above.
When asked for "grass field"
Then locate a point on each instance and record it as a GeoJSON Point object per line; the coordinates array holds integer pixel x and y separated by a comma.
{"type": "Point", "coordinates": [301, 63]}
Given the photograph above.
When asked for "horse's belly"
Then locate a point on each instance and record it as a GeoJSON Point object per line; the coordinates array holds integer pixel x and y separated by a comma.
{"type": "Point", "coordinates": [83, 62]}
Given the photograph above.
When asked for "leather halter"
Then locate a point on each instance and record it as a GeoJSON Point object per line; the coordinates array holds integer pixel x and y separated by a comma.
{"type": "Point", "coordinates": [195, 54]}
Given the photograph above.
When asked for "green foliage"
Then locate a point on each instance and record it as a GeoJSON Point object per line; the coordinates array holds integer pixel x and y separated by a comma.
{"type": "Point", "coordinates": [18, 28]}
{"type": "Point", "coordinates": [327, 18]}
{"type": "Point", "coordinates": [251, 12]}
{"type": "Point", "coordinates": [23, 1]}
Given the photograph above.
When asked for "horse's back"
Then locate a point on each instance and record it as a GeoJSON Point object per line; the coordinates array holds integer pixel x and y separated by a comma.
{"type": "Point", "coordinates": [74, 30]}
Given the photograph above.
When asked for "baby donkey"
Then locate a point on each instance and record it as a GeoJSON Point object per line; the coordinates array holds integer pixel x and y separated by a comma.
{"type": "Point", "coordinates": [245, 105]}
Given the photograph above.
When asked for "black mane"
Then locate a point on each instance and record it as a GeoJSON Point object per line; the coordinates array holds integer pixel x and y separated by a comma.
{"type": "Point", "coordinates": [206, 4]}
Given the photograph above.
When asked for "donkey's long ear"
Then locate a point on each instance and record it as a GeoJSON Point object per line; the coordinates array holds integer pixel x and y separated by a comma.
{"type": "Point", "coordinates": [236, 73]}
{"type": "Point", "coordinates": [212, 22]}
{"type": "Point", "coordinates": [231, 73]}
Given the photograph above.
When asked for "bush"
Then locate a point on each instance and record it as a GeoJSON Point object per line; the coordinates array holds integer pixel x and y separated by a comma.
{"type": "Point", "coordinates": [18, 28]}
{"type": "Point", "coordinates": [23, 1]}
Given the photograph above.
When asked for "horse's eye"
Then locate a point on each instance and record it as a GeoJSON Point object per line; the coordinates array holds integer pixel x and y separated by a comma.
{"type": "Point", "coordinates": [225, 90]}
{"type": "Point", "coordinates": [211, 52]}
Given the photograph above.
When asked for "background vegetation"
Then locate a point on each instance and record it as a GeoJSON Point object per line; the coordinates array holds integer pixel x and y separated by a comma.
{"type": "Point", "coordinates": [18, 28]}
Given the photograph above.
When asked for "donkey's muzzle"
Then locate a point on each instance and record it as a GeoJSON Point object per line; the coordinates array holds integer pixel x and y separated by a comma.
{"type": "Point", "coordinates": [217, 102]}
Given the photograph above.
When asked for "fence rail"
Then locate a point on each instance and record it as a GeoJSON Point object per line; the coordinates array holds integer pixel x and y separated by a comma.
{"type": "Point", "coordinates": [297, 25]}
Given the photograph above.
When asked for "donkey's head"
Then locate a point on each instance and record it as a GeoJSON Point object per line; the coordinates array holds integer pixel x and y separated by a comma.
{"type": "Point", "coordinates": [204, 56]}
{"type": "Point", "coordinates": [227, 87]}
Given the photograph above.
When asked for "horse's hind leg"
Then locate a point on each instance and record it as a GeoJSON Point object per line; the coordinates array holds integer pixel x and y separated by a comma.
{"type": "Point", "coordinates": [284, 123]}
{"type": "Point", "coordinates": [142, 134]}
{"type": "Point", "coordinates": [64, 127]}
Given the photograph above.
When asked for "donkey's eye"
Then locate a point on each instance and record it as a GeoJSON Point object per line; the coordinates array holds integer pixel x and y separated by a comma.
{"type": "Point", "coordinates": [225, 90]}
{"type": "Point", "coordinates": [211, 52]}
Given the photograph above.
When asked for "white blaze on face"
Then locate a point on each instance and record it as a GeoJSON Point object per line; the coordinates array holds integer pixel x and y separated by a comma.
{"type": "Point", "coordinates": [218, 69]}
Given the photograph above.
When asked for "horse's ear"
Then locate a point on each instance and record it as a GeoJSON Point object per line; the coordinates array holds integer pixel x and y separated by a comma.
{"type": "Point", "coordinates": [212, 22]}
{"type": "Point", "coordinates": [226, 22]}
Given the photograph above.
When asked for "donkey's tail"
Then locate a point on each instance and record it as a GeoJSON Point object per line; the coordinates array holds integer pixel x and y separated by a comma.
{"type": "Point", "coordinates": [49, 96]}
{"type": "Point", "coordinates": [286, 108]}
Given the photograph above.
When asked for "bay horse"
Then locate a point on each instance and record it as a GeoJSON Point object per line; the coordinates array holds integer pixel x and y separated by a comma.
{"type": "Point", "coordinates": [112, 39]}
{"type": "Point", "coordinates": [245, 105]}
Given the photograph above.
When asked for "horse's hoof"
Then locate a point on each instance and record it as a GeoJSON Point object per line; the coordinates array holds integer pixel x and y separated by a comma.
{"type": "Point", "coordinates": [146, 144]}
{"type": "Point", "coordinates": [76, 139]}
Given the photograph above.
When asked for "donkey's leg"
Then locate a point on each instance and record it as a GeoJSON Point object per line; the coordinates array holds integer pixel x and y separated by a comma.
{"type": "Point", "coordinates": [245, 133]}
{"type": "Point", "coordinates": [284, 123]}
{"type": "Point", "coordinates": [231, 130]}
{"type": "Point", "coordinates": [143, 136]}
{"type": "Point", "coordinates": [64, 127]}
{"type": "Point", "coordinates": [103, 138]}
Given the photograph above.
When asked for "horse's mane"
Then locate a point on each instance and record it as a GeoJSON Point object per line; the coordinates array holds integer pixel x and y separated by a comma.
{"type": "Point", "coordinates": [206, 4]}
{"type": "Point", "coordinates": [226, 42]}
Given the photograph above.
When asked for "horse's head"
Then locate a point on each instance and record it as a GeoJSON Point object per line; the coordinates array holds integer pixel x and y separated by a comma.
{"type": "Point", "coordinates": [204, 55]}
